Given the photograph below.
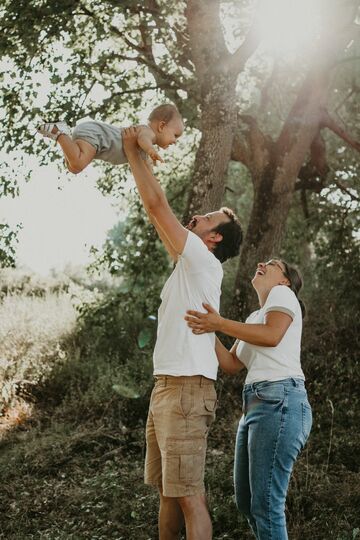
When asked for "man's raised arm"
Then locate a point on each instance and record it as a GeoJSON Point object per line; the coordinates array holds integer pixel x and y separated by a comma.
{"type": "Point", "coordinates": [170, 230]}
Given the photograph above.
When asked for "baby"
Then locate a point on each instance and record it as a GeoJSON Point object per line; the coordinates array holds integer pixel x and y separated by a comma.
{"type": "Point", "coordinates": [97, 140]}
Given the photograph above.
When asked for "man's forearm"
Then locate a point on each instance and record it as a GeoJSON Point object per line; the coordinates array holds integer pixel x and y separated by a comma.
{"type": "Point", "coordinates": [153, 197]}
{"type": "Point", "coordinates": [149, 188]}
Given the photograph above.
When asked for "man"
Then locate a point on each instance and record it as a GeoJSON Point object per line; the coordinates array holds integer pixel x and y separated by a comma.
{"type": "Point", "coordinates": [183, 401]}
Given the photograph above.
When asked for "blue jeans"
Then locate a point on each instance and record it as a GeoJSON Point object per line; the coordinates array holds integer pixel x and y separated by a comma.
{"type": "Point", "coordinates": [272, 431]}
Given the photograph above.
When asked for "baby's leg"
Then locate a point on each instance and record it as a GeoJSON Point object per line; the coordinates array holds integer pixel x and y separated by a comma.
{"type": "Point", "coordinates": [78, 153]}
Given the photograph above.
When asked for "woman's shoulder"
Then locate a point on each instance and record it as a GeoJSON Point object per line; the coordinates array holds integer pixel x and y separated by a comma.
{"type": "Point", "coordinates": [282, 298]}
{"type": "Point", "coordinates": [282, 291]}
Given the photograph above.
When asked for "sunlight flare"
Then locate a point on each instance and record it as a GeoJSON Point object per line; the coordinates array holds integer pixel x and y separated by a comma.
{"type": "Point", "coordinates": [289, 27]}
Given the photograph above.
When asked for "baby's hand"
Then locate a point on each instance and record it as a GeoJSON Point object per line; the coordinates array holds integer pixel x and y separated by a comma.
{"type": "Point", "coordinates": [155, 156]}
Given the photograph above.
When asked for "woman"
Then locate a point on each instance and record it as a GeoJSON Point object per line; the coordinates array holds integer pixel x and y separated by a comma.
{"type": "Point", "coordinates": [277, 416]}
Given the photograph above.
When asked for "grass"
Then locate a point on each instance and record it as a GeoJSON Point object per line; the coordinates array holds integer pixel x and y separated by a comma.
{"type": "Point", "coordinates": [32, 330]}
{"type": "Point", "coordinates": [72, 448]}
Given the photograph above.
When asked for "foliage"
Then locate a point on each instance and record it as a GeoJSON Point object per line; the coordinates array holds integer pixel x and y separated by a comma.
{"type": "Point", "coordinates": [72, 449]}
{"type": "Point", "coordinates": [74, 59]}
{"type": "Point", "coordinates": [8, 239]}
{"type": "Point", "coordinates": [72, 454]}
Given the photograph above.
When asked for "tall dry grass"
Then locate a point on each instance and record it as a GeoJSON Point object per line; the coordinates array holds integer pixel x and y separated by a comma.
{"type": "Point", "coordinates": [32, 330]}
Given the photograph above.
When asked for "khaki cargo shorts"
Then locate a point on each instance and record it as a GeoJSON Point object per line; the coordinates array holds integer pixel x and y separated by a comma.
{"type": "Point", "coordinates": [180, 414]}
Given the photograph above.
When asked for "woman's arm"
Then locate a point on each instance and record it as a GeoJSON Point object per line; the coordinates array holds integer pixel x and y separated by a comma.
{"type": "Point", "coordinates": [268, 334]}
{"type": "Point", "coordinates": [228, 361]}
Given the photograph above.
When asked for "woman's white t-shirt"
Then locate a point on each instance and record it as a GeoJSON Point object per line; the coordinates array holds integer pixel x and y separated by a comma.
{"type": "Point", "coordinates": [282, 361]}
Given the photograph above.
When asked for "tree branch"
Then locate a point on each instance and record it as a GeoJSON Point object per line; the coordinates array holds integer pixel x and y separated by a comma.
{"type": "Point", "coordinates": [312, 176]}
{"type": "Point", "coordinates": [239, 150]}
{"type": "Point", "coordinates": [330, 123]}
{"type": "Point", "coordinates": [264, 100]}
{"type": "Point", "coordinates": [183, 49]}
{"type": "Point", "coordinates": [206, 39]}
{"type": "Point", "coordinates": [146, 56]}
{"type": "Point", "coordinates": [346, 190]}
{"type": "Point", "coordinates": [304, 204]}
{"type": "Point", "coordinates": [251, 42]}
{"type": "Point", "coordinates": [258, 153]}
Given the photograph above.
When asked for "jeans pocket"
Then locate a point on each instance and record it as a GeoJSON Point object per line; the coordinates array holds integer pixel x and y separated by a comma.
{"type": "Point", "coordinates": [273, 394]}
{"type": "Point", "coordinates": [306, 419]}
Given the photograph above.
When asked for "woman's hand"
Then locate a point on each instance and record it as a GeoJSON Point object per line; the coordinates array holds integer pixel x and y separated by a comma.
{"type": "Point", "coordinates": [200, 323]}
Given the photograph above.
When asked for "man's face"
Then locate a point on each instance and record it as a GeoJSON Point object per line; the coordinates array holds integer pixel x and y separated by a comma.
{"type": "Point", "coordinates": [169, 133]}
{"type": "Point", "coordinates": [203, 226]}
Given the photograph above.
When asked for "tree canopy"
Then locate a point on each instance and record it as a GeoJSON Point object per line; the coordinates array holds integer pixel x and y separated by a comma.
{"type": "Point", "coordinates": [289, 117]}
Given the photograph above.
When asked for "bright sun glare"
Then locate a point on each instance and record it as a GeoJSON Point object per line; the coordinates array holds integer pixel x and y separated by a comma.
{"type": "Point", "coordinates": [289, 26]}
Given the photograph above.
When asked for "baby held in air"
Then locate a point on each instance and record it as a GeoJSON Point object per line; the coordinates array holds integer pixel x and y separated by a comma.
{"type": "Point", "coordinates": [97, 140]}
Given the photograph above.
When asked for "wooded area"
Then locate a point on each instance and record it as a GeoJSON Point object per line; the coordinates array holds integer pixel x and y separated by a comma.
{"type": "Point", "coordinates": [274, 136]}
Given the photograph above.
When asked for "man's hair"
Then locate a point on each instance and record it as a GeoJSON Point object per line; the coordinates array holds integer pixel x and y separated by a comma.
{"type": "Point", "coordinates": [164, 113]}
{"type": "Point", "coordinates": [232, 237]}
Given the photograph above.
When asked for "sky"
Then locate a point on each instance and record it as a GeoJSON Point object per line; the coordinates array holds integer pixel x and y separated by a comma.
{"type": "Point", "coordinates": [62, 216]}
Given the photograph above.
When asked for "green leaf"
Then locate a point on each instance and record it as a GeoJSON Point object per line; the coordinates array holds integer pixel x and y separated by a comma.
{"type": "Point", "coordinates": [125, 391]}
{"type": "Point", "coordinates": [144, 337]}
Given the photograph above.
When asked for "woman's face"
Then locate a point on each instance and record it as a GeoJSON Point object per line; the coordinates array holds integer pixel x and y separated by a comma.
{"type": "Point", "coordinates": [269, 274]}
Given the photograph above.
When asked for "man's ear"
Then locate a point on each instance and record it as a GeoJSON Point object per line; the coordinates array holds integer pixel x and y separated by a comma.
{"type": "Point", "coordinates": [217, 237]}
{"type": "Point", "coordinates": [213, 239]}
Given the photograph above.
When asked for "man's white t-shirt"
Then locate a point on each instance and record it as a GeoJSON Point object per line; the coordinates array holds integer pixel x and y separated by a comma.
{"type": "Point", "coordinates": [282, 361]}
{"type": "Point", "coordinates": [195, 279]}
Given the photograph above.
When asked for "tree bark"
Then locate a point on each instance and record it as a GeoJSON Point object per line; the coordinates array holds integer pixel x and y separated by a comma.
{"type": "Point", "coordinates": [275, 170]}
{"type": "Point", "coordinates": [213, 155]}
{"type": "Point", "coordinates": [216, 71]}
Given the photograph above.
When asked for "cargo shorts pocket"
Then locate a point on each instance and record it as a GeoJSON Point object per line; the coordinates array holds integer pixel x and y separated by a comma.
{"type": "Point", "coordinates": [185, 461]}
{"type": "Point", "coordinates": [210, 404]}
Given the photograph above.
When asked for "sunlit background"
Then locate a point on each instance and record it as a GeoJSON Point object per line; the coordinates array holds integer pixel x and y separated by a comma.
{"type": "Point", "coordinates": [63, 217]}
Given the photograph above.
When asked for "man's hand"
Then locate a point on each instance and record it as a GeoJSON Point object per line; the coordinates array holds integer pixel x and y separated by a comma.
{"type": "Point", "coordinates": [200, 323]}
{"type": "Point", "coordinates": [129, 137]}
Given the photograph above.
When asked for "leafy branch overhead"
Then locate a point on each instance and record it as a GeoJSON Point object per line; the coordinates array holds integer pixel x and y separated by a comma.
{"type": "Point", "coordinates": [280, 115]}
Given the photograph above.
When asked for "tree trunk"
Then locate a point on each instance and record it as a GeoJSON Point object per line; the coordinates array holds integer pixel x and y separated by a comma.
{"type": "Point", "coordinates": [216, 71]}
{"type": "Point", "coordinates": [263, 239]}
{"type": "Point", "coordinates": [275, 169]}
{"type": "Point", "coordinates": [218, 117]}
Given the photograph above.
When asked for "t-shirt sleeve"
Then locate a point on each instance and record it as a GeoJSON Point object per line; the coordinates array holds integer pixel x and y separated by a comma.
{"type": "Point", "coordinates": [283, 299]}
{"type": "Point", "coordinates": [196, 254]}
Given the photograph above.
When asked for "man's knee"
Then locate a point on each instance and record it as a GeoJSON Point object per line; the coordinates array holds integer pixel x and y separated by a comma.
{"type": "Point", "coordinates": [192, 503]}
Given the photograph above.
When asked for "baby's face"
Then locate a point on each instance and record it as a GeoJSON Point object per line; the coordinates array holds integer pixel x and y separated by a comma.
{"type": "Point", "coordinates": [169, 133]}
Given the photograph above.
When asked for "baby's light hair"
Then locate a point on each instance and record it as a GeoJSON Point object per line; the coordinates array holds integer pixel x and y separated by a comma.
{"type": "Point", "coordinates": [165, 113]}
